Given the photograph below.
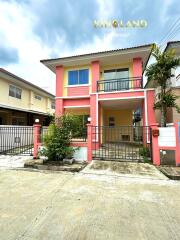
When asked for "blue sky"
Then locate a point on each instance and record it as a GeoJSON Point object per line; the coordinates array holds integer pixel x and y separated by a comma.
{"type": "Point", "coordinates": [31, 30]}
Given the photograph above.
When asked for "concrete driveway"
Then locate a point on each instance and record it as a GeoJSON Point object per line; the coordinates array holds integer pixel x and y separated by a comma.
{"type": "Point", "coordinates": [87, 206]}
{"type": "Point", "coordinates": [13, 161]}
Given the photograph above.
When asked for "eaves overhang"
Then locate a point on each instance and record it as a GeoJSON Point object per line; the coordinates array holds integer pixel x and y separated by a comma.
{"type": "Point", "coordinates": [105, 58]}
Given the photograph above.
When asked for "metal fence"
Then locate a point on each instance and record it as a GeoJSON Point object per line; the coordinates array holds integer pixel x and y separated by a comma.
{"type": "Point", "coordinates": [16, 140]}
{"type": "Point", "coordinates": [121, 143]}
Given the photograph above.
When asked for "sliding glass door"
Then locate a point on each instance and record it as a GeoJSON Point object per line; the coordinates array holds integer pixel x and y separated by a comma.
{"type": "Point", "coordinates": [116, 79]}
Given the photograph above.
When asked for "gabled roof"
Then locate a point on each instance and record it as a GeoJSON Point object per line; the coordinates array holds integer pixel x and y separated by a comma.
{"type": "Point", "coordinates": [83, 58]}
{"type": "Point", "coordinates": [4, 73]}
{"type": "Point", "coordinates": [172, 44]}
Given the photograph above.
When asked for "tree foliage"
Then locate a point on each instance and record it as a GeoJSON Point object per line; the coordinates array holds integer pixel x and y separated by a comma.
{"type": "Point", "coordinates": [58, 137]}
{"type": "Point", "coordinates": [160, 73]}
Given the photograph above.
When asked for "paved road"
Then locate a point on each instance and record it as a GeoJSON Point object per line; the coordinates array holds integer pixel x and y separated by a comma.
{"type": "Point", "coordinates": [87, 206]}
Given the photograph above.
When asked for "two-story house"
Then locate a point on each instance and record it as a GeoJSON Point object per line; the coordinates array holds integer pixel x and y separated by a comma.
{"type": "Point", "coordinates": [106, 88]}
{"type": "Point", "coordinates": [21, 102]}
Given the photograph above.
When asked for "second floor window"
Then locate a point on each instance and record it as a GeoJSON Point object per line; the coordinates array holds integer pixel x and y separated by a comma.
{"type": "Point", "coordinates": [78, 77]}
{"type": "Point", "coordinates": [53, 105]}
{"type": "Point", "coordinates": [37, 97]}
{"type": "Point", "coordinates": [15, 92]}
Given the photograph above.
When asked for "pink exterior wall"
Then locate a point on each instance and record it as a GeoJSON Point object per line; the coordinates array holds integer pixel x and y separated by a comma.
{"type": "Point", "coordinates": [121, 95]}
{"type": "Point", "coordinates": [76, 102]}
{"type": "Point", "coordinates": [37, 141]}
{"type": "Point", "coordinates": [59, 81]}
{"type": "Point", "coordinates": [59, 90]}
{"type": "Point", "coordinates": [95, 69]}
{"type": "Point", "coordinates": [155, 147]}
{"type": "Point", "coordinates": [150, 107]}
{"type": "Point", "coordinates": [59, 107]}
{"type": "Point", "coordinates": [137, 71]}
{"type": "Point", "coordinates": [93, 109]}
{"type": "Point", "coordinates": [78, 91]}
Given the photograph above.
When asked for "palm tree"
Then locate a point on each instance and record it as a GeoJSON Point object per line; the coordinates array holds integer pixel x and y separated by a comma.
{"type": "Point", "coordinates": [160, 73]}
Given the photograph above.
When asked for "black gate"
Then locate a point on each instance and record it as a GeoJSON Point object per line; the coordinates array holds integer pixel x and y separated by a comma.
{"type": "Point", "coordinates": [123, 143]}
{"type": "Point", "coordinates": [16, 140]}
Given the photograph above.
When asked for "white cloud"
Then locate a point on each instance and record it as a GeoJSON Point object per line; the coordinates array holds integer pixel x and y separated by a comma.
{"type": "Point", "coordinates": [16, 26]}
{"type": "Point", "coordinates": [18, 21]}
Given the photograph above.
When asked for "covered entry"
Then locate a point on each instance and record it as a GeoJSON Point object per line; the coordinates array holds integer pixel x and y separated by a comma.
{"type": "Point", "coordinates": [121, 134]}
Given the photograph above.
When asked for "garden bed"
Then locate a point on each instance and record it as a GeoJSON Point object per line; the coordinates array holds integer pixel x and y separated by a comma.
{"type": "Point", "coordinates": [41, 164]}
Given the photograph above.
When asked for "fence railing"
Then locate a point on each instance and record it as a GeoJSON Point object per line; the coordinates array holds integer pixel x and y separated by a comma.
{"type": "Point", "coordinates": [121, 142]}
{"type": "Point", "coordinates": [16, 140]}
{"type": "Point", "coordinates": [120, 84]}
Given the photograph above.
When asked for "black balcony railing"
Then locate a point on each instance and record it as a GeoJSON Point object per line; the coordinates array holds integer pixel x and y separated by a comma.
{"type": "Point", "coordinates": [120, 84]}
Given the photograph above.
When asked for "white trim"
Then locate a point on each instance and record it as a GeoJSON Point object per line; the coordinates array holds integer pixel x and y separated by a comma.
{"type": "Point", "coordinates": [97, 117]}
{"type": "Point", "coordinates": [146, 115]}
{"type": "Point", "coordinates": [76, 97]}
{"type": "Point", "coordinates": [149, 89]}
{"type": "Point", "coordinates": [81, 106]}
{"type": "Point", "coordinates": [145, 108]}
{"type": "Point", "coordinates": [106, 99]}
{"type": "Point", "coordinates": [77, 85]}
{"type": "Point", "coordinates": [97, 108]}
{"type": "Point", "coordinates": [130, 90]}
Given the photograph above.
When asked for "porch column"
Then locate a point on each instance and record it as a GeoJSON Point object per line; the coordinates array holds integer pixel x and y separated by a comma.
{"type": "Point", "coordinates": [137, 72]}
{"type": "Point", "coordinates": [95, 69]}
{"type": "Point", "coordinates": [150, 96]}
{"type": "Point", "coordinates": [59, 90]}
{"type": "Point", "coordinates": [94, 106]}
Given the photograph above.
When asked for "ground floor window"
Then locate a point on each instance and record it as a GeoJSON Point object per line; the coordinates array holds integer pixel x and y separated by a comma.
{"type": "Point", "coordinates": [82, 131]}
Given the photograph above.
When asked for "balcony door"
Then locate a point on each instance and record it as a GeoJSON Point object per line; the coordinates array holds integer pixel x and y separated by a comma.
{"type": "Point", "coordinates": [116, 79]}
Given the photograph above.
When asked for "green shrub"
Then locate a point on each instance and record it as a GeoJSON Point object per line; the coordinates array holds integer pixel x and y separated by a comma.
{"type": "Point", "coordinates": [145, 153]}
{"type": "Point", "coordinates": [58, 137]}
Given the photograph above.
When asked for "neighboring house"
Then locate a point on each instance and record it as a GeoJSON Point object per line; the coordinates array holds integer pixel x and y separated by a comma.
{"type": "Point", "coordinates": [22, 102]}
{"type": "Point", "coordinates": [105, 86]}
{"type": "Point", "coordinates": [173, 115]}
{"type": "Point", "coordinates": [174, 87]}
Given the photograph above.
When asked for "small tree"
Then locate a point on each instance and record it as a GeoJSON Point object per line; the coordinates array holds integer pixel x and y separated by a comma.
{"type": "Point", "coordinates": [58, 138]}
{"type": "Point", "coordinates": [160, 73]}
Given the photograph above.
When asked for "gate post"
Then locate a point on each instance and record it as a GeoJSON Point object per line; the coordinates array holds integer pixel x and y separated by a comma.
{"type": "Point", "coordinates": [89, 142]}
{"type": "Point", "coordinates": [37, 142]}
{"type": "Point", "coordinates": [177, 128]}
{"type": "Point", "coordinates": [155, 147]}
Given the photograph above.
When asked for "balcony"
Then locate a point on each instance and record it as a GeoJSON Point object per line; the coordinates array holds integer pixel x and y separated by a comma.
{"type": "Point", "coordinates": [121, 84]}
